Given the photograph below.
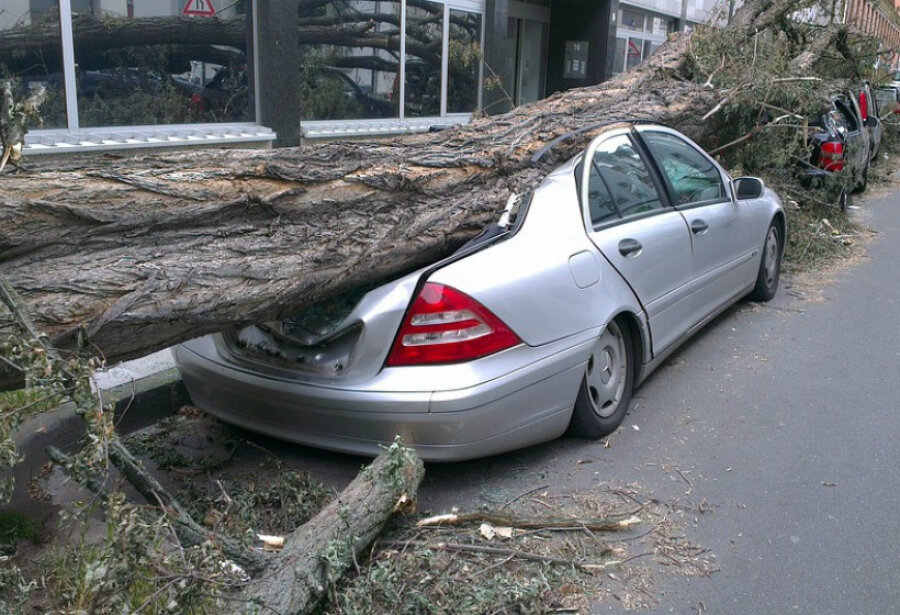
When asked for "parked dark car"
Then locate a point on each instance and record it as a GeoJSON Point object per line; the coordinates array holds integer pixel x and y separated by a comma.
{"type": "Point", "coordinates": [839, 143]}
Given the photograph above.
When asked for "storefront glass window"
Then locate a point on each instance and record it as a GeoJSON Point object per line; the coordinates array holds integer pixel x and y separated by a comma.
{"type": "Point", "coordinates": [31, 54]}
{"type": "Point", "coordinates": [141, 63]}
{"type": "Point", "coordinates": [350, 59]}
{"type": "Point", "coordinates": [619, 56]}
{"type": "Point", "coordinates": [424, 44]}
{"type": "Point", "coordinates": [464, 61]}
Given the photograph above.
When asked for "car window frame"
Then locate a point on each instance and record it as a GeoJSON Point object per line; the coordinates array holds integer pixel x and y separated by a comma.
{"type": "Point", "coordinates": [724, 177]}
{"type": "Point", "coordinates": [582, 179]}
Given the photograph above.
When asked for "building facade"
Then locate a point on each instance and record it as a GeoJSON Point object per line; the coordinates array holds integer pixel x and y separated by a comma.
{"type": "Point", "coordinates": [151, 73]}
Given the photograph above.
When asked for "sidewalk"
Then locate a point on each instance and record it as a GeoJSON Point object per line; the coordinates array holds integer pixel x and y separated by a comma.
{"type": "Point", "coordinates": [132, 371]}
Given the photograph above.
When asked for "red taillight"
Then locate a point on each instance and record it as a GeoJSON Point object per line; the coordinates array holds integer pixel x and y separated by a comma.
{"type": "Point", "coordinates": [864, 106]}
{"type": "Point", "coordinates": [831, 157]}
{"type": "Point", "coordinates": [444, 325]}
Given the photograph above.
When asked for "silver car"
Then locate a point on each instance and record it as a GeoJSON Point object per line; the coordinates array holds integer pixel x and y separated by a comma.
{"type": "Point", "coordinates": [545, 324]}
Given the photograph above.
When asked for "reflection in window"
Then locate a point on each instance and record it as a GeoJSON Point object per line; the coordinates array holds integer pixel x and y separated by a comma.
{"type": "Point", "coordinates": [631, 19]}
{"type": "Point", "coordinates": [350, 58]}
{"type": "Point", "coordinates": [31, 55]}
{"type": "Point", "coordinates": [142, 63]}
{"type": "Point", "coordinates": [464, 61]}
{"type": "Point", "coordinates": [634, 52]}
{"type": "Point", "coordinates": [620, 184]}
{"type": "Point", "coordinates": [424, 42]}
{"type": "Point", "coordinates": [691, 175]}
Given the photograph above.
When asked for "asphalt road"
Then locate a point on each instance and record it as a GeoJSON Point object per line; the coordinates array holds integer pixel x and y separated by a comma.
{"type": "Point", "coordinates": [781, 418]}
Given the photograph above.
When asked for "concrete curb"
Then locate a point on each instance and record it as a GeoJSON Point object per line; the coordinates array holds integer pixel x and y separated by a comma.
{"type": "Point", "coordinates": [138, 404]}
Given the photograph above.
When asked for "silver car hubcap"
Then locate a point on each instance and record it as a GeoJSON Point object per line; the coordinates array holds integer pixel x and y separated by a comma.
{"type": "Point", "coordinates": [606, 372]}
{"type": "Point", "coordinates": [771, 256]}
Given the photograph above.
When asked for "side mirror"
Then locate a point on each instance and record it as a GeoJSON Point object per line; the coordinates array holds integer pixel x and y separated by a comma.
{"type": "Point", "coordinates": [748, 188]}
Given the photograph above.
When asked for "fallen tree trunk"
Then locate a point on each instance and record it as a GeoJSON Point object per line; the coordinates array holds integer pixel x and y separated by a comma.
{"type": "Point", "coordinates": [317, 553]}
{"type": "Point", "coordinates": [141, 253]}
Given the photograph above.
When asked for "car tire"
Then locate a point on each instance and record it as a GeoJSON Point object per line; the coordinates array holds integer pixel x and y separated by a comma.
{"type": "Point", "coordinates": [863, 181]}
{"type": "Point", "coordinates": [605, 391]}
{"type": "Point", "coordinates": [769, 265]}
{"type": "Point", "coordinates": [844, 199]}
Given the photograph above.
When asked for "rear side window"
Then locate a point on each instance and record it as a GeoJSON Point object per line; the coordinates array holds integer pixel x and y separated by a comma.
{"type": "Point", "coordinates": [691, 176]}
{"type": "Point", "coordinates": [848, 116]}
{"type": "Point", "coordinates": [620, 185]}
{"type": "Point", "coordinates": [836, 122]}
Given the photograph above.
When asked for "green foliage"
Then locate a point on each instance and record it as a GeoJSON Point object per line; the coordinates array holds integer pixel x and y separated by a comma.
{"type": "Point", "coordinates": [135, 567]}
{"type": "Point", "coordinates": [15, 590]}
{"type": "Point", "coordinates": [16, 526]}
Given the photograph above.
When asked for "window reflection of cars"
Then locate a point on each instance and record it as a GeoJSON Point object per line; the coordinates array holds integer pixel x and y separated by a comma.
{"type": "Point", "coordinates": [119, 80]}
{"type": "Point", "coordinates": [224, 95]}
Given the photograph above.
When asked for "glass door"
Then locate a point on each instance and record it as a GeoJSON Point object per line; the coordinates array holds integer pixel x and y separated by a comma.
{"type": "Point", "coordinates": [531, 65]}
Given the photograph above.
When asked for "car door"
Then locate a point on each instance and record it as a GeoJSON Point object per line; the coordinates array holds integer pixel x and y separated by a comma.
{"type": "Point", "coordinates": [631, 222]}
{"type": "Point", "coordinates": [724, 253]}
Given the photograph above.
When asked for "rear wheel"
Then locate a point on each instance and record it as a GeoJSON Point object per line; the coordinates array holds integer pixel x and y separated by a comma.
{"type": "Point", "coordinates": [769, 266]}
{"type": "Point", "coordinates": [607, 384]}
{"type": "Point", "coordinates": [844, 199]}
{"type": "Point", "coordinates": [863, 181]}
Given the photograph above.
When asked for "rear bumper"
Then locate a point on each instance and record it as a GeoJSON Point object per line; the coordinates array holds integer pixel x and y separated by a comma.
{"type": "Point", "coordinates": [530, 404]}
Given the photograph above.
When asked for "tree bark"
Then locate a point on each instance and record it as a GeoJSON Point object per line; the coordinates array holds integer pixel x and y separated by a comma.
{"type": "Point", "coordinates": [141, 253]}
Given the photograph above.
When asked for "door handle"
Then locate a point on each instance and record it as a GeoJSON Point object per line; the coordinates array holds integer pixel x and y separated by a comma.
{"type": "Point", "coordinates": [699, 227]}
{"type": "Point", "coordinates": [629, 248]}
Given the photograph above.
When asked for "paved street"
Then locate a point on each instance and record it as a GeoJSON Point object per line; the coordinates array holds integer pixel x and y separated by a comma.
{"type": "Point", "coordinates": [784, 419]}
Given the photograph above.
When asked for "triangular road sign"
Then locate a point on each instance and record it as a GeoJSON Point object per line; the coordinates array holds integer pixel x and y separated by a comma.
{"type": "Point", "coordinates": [203, 8]}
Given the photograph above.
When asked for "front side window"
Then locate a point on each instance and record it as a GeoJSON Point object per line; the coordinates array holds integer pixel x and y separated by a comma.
{"type": "Point", "coordinates": [619, 183]}
{"type": "Point", "coordinates": [693, 178]}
